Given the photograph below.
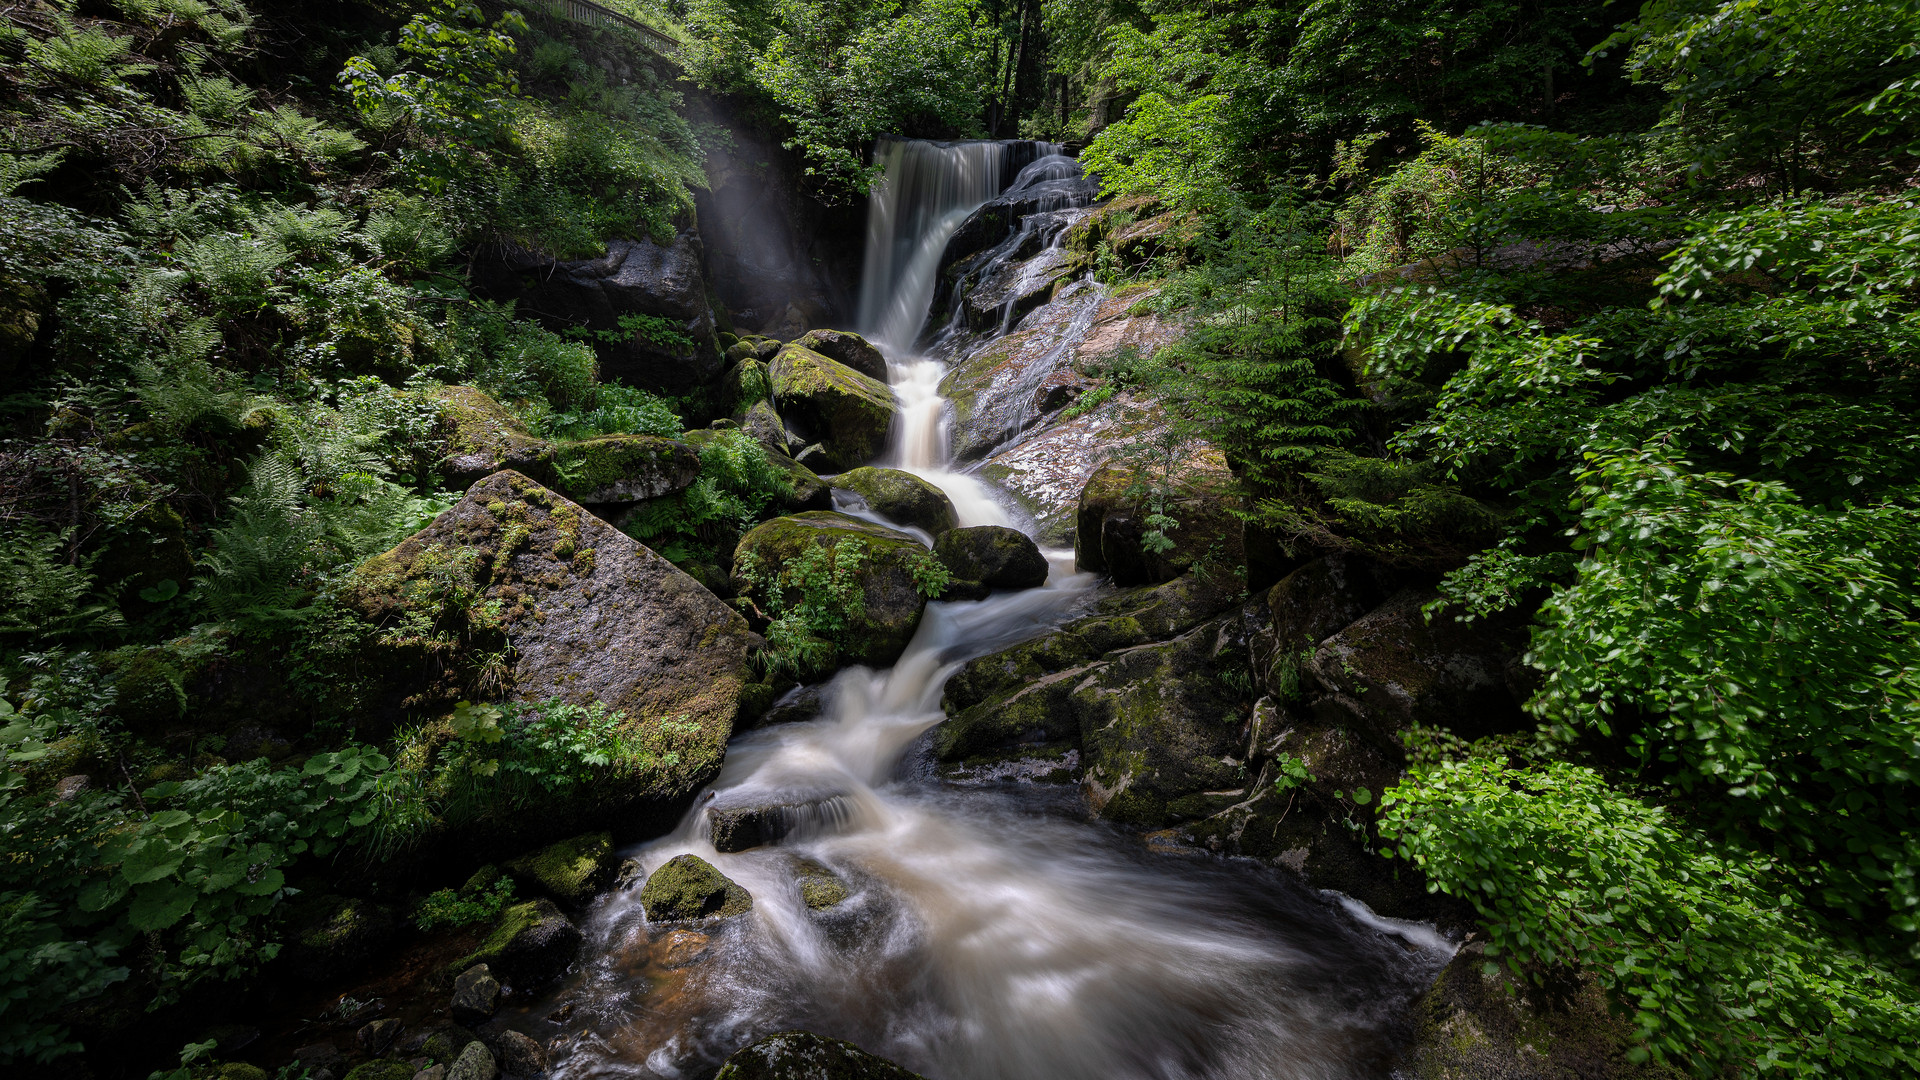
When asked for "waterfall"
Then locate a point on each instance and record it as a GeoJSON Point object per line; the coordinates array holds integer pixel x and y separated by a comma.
{"type": "Point", "coordinates": [925, 191]}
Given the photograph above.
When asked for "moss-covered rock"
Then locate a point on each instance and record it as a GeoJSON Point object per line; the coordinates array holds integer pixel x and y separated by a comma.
{"type": "Point", "coordinates": [530, 946]}
{"type": "Point", "coordinates": [1393, 668]}
{"type": "Point", "coordinates": [753, 347]}
{"type": "Point", "coordinates": [802, 1055]}
{"type": "Point", "coordinates": [743, 384]}
{"type": "Point", "coordinates": [475, 1062]}
{"type": "Point", "coordinates": [571, 871]}
{"type": "Point", "coordinates": [993, 555]}
{"type": "Point", "coordinates": [890, 602]}
{"type": "Point", "coordinates": [688, 887]}
{"type": "Point", "coordinates": [24, 307]}
{"type": "Point", "coordinates": [333, 935]}
{"type": "Point", "coordinates": [901, 497]}
{"type": "Point", "coordinates": [765, 426]}
{"type": "Point", "coordinates": [831, 404]}
{"type": "Point", "coordinates": [1111, 531]}
{"type": "Point", "coordinates": [1481, 1024]}
{"type": "Point", "coordinates": [1305, 608]}
{"type": "Point", "coordinates": [624, 468]}
{"type": "Point", "coordinates": [1159, 723]}
{"type": "Point", "coordinates": [820, 888]}
{"type": "Point", "coordinates": [848, 348]}
{"type": "Point", "coordinates": [149, 549]}
{"type": "Point", "coordinates": [482, 438]}
{"type": "Point", "coordinates": [591, 616]}
{"type": "Point", "coordinates": [380, 1069]}
{"type": "Point", "coordinates": [149, 687]}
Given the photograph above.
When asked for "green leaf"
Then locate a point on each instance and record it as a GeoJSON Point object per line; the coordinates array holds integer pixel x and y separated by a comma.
{"type": "Point", "coordinates": [156, 907]}
{"type": "Point", "coordinates": [151, 860]}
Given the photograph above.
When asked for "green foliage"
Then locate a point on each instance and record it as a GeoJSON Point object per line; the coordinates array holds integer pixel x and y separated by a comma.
{"type": "Point", "coordinates": [465, 907]}
{"type": "Point", "coordinates": [1291, 773]}
{"type": "Point", "coordinates": [616, 409]}
{"type": "Point", "coordinates": [737, 487]}
{"type": "Point", "coordinates": [46, 591]}
{"type": "Point", "coordinates": [459, 98]}
{"type": "Point", "coordinates": [811, 601]}
{"type": "Point", "coordinates": [509, 756]}
{"type": "Point", "coordinates": [1721, 968]}
{"type": "Point", "coordinates": [1173, 151]}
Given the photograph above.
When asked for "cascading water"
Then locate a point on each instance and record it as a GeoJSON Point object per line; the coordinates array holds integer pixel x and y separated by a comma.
{"type": "Point", "coordinates": [991, 933]}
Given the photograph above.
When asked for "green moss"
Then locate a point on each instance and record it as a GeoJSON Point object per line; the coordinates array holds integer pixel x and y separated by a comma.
{"type": "Point", "coordinates": [902, 497]}
{"type": "Point", "coordinates": [846, 411]}
{"type": "Point", "coordinates": [821, 888]}
{"type": "Point", "coordinates": [381, 1069]}
{"type": "Point", "coordinates": [688, 887]}
{"type": "Point", "coordinates": [570, 871]}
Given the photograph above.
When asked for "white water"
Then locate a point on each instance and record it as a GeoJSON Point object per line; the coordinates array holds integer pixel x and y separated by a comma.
{"type": "Point", "coordinates": [992, 934]}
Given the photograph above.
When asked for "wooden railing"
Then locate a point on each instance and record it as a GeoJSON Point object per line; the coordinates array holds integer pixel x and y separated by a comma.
{"type": "Point", "coordinates": [592, 14]}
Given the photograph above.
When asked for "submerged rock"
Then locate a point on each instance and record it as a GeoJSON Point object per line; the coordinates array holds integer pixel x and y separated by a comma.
{"type": "Point", "coordinates": [740, 828]}
{"type": "Point", "coordinates": [688, 887]}
{"type": "Point", "coordinates": [993, 555]}
{"type": "Point", "coordinates": [845, 412]}
{"type": "Point", "coordinates": [624, 468]}
{"type": "Point", "coordinates": [482, 437]}
{"type": "Point", "coordinates": [801, 1055]}
{"type": "Point", "coordinates": [531, 946]}
{"type": "Point", "coordinates": [820, 888]}
{"type": "Point", "coordinates": [889, 603]}
{"type": "Point", "coordinates": [591, 616]}
{"type": "Point", "coordinates": [570, 871]}
{"type": "Point", "coordinates": [901, 497]}
{"type": "Point", "coordinates": [848, 348]}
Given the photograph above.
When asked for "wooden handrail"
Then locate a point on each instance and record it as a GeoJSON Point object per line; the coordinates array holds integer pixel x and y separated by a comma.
{"type": "Point", "coordinates": [586, 11]}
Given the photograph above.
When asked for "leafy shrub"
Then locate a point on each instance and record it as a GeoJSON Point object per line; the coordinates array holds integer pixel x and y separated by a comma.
{"type": "Point", "coordinates": [811, 600]}
{"type": "Point", "coordinates": [468, 905]}
{"type": "Point", "coordinates": [615, 409]}
{"type": "Point", "coordinates": [737, 486]}
{"type": "Point", "coordinates": [1722, 969]}
{"type": "Point", "coordinates": [511, 755]}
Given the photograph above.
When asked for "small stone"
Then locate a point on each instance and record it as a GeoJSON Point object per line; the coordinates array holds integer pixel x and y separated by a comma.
{"type": "Point", "coordinates": [474, 1063]}
{"type": "Point", "coordinates": [381, 1069]}
{"type": "Point", "coordinates": [821, 888]}
{"type": "Point", "coordinates": [792, 1055]}
{"type": "Point", "coordinates": [476, 995]}
{"type": "Point", "coordinates": [682, 947]}
{"type": "Point", "coordinates": [374, 1038]}
{"type": "Point", "coordinates": [688, 887]}
{"type": "Point", "coordinates": [69, 787]}
{"type": "Point", "coordinates": [632, 872]}
{"type": "Point", "coordinates": [432, 1072]}
{"type": "Point", "coordinates": [519, 1054]}
{"type": "Point", "coordinates": [320, 1056]}
{"type": "Point", "coordinates": [446, 1044]}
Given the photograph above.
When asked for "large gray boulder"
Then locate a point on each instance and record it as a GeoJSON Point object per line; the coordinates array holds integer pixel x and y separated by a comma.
{"type": "Point", "coordinates": [591, 617]}
{"type": "Point", "coordinates": [633, 277]}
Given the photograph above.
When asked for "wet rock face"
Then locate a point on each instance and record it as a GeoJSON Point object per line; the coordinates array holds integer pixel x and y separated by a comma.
{"type": "Point", "coordinates": [827, 402]}
{"type": "Point", "coordinates": [1393, 669]}
{"type": "Point", "coordinates": [634, 277]}
{"type": "Point", "coordinates": [1112, 533]}
{"type": "Point", "coordinates": [800, 1055]}
{"type": "Point", "coordinates": [482, 438]}
{"type": "Point", "coordinates": [890, 602]}
{"type": "Point", "coordinates": [1308, 606]}
{"type": "Point", "coordinates": [531, 946]}
{"type": "Point", "coordinates": [741, 828]}
{"type": "Point", "coordinates": [901, 497]}
{"type": "Point", "coordinates": [688, 887]}
{"type": "Point", "coordinates": [993, 555]}
{"type": "Point", "coordinates": [1473, 1024]}
{"type": "Point", "coordinates": [848, 348]}
{"type": "Point", "coordinates": [591, 616]}
{"type": "Point", "coordinates": [624, 468]}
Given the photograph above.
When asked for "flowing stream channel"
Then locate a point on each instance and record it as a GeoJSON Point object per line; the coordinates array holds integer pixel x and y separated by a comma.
{"type": "Point", "coordinates": [991, 932]}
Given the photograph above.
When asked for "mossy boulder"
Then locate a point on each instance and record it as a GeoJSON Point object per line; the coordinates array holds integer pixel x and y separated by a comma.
{"type": "Point", "coordinates": [1478, 1021]}
{"type": "Point", "coordinates": [831, 404]}
{"type": "Point", "coordinates": [1393, 668]}
{"type": "Point", "coordinates": [1162, 723]}
{"type": "Point", "coordinates": [379, 1069]}
{"type": "Point", "coordinates": [334, 935]}
{"type": "Point", "coordinates": [1305, 608]}
{"type": "Point", "coordinates": [624, 468]}
{"type": "Point", "coordinates": [591, 616]}
{"type": "Point", "coordinates": [570, 871]}
{"type": "Point", "coordinates": [688, 887]}
{"type": "Point", "coordinates": [889, 603]}
{"type": "Point", "coordinates": [753, 347]}
{"type": "Point", "coordinates": [530, 946]}
{"type": "Point", "coordinates": [802, 1055]}
{"type": "Point", "coordinates": [474, 1063]}
{"type": "Point", "coordinates": [1112, 528]}
{"type": "Point", "coordinates": [848, 348]}
{"type": "Point", "coordinates": [743, 384]}
{"type": "Point", "coordinates": [149, 687]}
{"type": "Point", "coordinates": [765, 426]}
{"type": "Point", "coordinates": [482, 438]}
{"type": "Point", "coordinates": [901, 497]}
{"type": "Point", "coordinates": [993, 555]}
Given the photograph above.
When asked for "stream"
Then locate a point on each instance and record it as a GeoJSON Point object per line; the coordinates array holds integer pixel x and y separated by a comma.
{"type": "Point", "coordinates": [991, 930]}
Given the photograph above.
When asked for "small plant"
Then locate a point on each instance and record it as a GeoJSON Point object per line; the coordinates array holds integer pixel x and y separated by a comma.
{"type": "Point", "coordinates": [1291, 773]}
{"type": "Point", "coordinates": [464, 907]}
{"type": "Point", "coordinates": [812, 602]}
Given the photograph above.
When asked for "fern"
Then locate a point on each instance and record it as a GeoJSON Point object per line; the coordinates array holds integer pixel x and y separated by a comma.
{"type": "Point", "coordinates": [256, 557]}
{"type": "Point", "coordinates": [45, 591]}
